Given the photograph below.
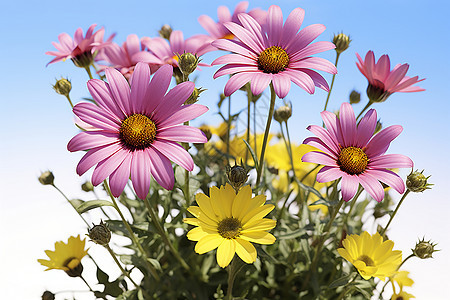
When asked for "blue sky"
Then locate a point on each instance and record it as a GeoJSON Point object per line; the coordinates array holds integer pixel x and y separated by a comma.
{"type": "Point", "coordinates": [37, 123]}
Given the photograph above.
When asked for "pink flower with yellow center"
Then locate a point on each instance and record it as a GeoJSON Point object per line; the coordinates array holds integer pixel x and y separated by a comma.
{"type": "Point", "coordinates": [138, 129]}
{"type": "Point", "coordinates": [351, 152]}
{"type": "Point", "coordinates": [382, 81]}
{"type": "Point", "coordinates": [273, 53]}
{"type": "Point", "coordinates": [81, 48]}
{"type": "Point", "coordinates": [217, 30]}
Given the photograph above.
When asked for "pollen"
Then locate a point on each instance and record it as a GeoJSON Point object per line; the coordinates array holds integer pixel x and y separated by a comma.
{"type": "Point", "coordinates": [273, 60]}
{"type": "Point", "coordinates": [229, 228]}
{"type": "Point", "coordinates": [367, 260]}
{"type": "Point", "coordinates": [353, 160]}
{"type": "Point", "coordinates": [137, 132]}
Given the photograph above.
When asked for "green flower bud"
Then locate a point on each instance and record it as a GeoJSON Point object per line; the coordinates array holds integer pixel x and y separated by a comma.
{"type": "Point", "coordinates": [63, 86]}
{"type": "Point", "coordinates": [378, 127]}
{"type": "Point", "coordinates": [354, 97]}
{"type": "Point", "coordinates": [342, 42]}
{"type": "Point", "coordinates": [100, 234]}
{"type": "Point", "coordinates": [47, 295]}
{"type": "Point", "coordinates": [237, 176]}
{"type": "Point", "coordinates": [188, 63]}
{"type": "Point", "coordinates": [46, 178]}
{"type": "Point", "coordinates": [283, 113]}
{"type": "Point", "coordinates": [194, 96]}
{"type": "Point", "coordinates": [165, 31]}
{"type": "Point", "coordinates": [424, 249]}
{"type": "Point", "coordinates": [87, 187]}
{"type": "Point", "coordinates": [417, 182]}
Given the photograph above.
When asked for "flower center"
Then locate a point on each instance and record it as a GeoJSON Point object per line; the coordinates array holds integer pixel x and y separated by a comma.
{"type": "Point", "coordinates": [228, 36]}
{"type": "Point", "coordinates": [74, 266]}
{"type": "Point", "coordinates": [367, 260]}
{"type": "Point", "coordinates": [353, 160]}
{"type": "Point", "coordinates": [137, 132]}
{"type": "Point", "coordinates": [229, 228]}
{"type": "Point", "coordinates": [273, 60]}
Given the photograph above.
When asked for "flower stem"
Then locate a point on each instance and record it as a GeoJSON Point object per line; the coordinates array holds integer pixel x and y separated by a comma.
{"type": "Point", "coordinates": [398, 268]}
{"type": "Point", "coordinates": [395, 212]}
{"type": "Point", "coordinates": [233, 269]}
{"type": "Point", "coordinates": [346, 288]}
{"type": "Point", "coordinates": [249, 100]}
{"type": "Point", "coordinates": [130, 231]}
{"type": "Point", "coordinates": [70, 101]}
{"type": "Point", "coordinates": [254, 125]}
{"type": "Point", "coordinates": [186, 175]}
{"type": "Point", "coordinates": [86, 283]}
{"type": "Point", "coordinates": [124, 272]}
{"type": "Point", "coordinates": [163, 234]}
{"type": "Point", "coordinates": [88, 70]}
{"type": "Point", "coordinates": [266, 134]}
{"type": "Point", "coordinates": [87, 224]}
{"type": "Point", "coordinates": [228, 127]}
{"type": "Point", "coordinates": [332, 81]}
{"type": "Point", "coordinates": [364, 109]}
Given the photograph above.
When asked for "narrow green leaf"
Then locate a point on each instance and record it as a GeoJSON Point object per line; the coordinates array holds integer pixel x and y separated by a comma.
{"type": "Point", "coordinates": [255, 158]}
{"type": "Point", "coordinates": [340, 281]}
{"type": "Point", "coordinates": [88, 205]}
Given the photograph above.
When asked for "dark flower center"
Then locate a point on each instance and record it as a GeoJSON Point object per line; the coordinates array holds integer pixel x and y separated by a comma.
{"type": "Point", "coordinates": [229, 228]}
{"type": "Point", "coordinates": [137, 132]}
{"type": "Point", "coordinates": [367, 260]}
{"type": "Point", "coordinates": [273, 60]}
{"type": "Point", "coordinates": [74, 266]}
{"type": "Point", "coordinates": [376, 91]}
{"type": "Point", "coordinates": [353, 160]}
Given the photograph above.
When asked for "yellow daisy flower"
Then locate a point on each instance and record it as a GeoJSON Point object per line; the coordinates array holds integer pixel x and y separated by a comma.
{"type": "Point", "coordinates": [402, 296]}
{"type": "Point", "coordinates": [402, 279]}
{"type": "Point", "coordinates": [230, 222]}
{"type": "Point", "coordinates": [66, 257]}
{"type": "Point", "coordinates": [370, 255]}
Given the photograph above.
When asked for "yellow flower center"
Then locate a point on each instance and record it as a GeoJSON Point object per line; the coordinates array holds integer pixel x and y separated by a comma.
{"type": "Point", "coordinates": [137, 132]}
{"type": "Point", "coordinates": [74, 267]}
{"type": "Point", "coordinates": [273, 60]}
{"type": "Point", "coordinates": [228, 36]}
{"type": "Point", "coordinates": [367, 260]}
{"type": "Point", "coordinates": [229, 228]}
{"type": "Point", "coordinates": [353, 160]}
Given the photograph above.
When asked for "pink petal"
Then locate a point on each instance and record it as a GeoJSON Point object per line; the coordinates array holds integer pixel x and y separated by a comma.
{"type": "Point", "coordinates": [108, 165]}
{"type": "Point", "coordinates": [87, 140]}
{"type": "Point", "coordinates": [177, 42]}
{"type": "Point", "coordinates": [223, 13]}
{"type": "Point", "coordinates": [319, 144]}
{"type": "Point", "coordinates": [383, 68]}
{"type": "Point", "coordinates": [391, 161]}
{"type": "Point", "coordinates": [302, 79]}
{"type": "Point", "coordinates": [331, 123]}
{"type": "Point", "coordinates": [100, 92]}
{"type": "Point", "coordinates": [389, 178]}
{"type": "Point", "coordinates": [236, 68]}
{"type": "Point", "coordinates": [281, 85]}
{"type": "Point", "coordinates": [235, 59]}
{"type": "Point", "coordinates": [141, 170]}
{"type": "Point", "coordinates": [172, 101]}
{"type": "Point", "coordinates": [259, 82]}
{"type": "Point", "coordinates": [185, 113]}
{"type": "Point", "coordinates": [369, 65]}
{"type": "Point", "coordinates": [305, 37]}
{"type": "Point", "coordinates": [119, 89]}
{"type": "Point", "coordinates": [254, 27]}
{"type": "Point", "coordinates": [349, 186]}
{"type": "Point", "coordinates": [95, 116]}
{"type": "Point", "coordinates": [133, 45]}
{"type": "Point", "coordinates": [372, 186]}
{"type": "Point", "coordinates": [274, 24]}
{"type": "Point", "coordinates": [236, 82]}
{"type": "Point", "coordinates": [395, 77]}
{"type": "Point", "coordinates": [157, 88]}
{"type": "Point", "coordinates": [347, 121]}
{"type": "Point", "coordinates": [233, 46]}
{"type": "Point", "coordinates": [317, 63]}
{"type": "Point", "coordinates": [318, 79]}
{"type": "Point", "coordinates": [292, 25]}
{"type": "Point", "coordinates": [245, 36]}
{"type": "Point", "coordinates": [325, 136]}
{"type": "Point", "coordinates": [366, 128]}
{"type": "Point", "coordinates": [405, 83]}
{"type": "Point", "coordinates": [209, 25]}
{"type": "Point", "coordinates": [182, 133]}
{"type": "Point", "coordinates": [161, 169]}
{"type": "Point", "coordinates": [175, 153]}
{"type": "Point", "coordinates": [94, 156]}
{"type": "Point", "coordinates": [379, 144]}
{"type": "Point", "coordinates": [139, 83]}
{"type": "Point", "coordinates": [119, 178]}
{"type": "Point", "coordinates": [319, 158]}
{"type": "Point", "coordinates": [327, 174]}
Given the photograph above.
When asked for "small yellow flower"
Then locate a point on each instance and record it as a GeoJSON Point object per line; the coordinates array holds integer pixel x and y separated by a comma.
{"type": "Point", "coordinates": [230, 222]}
{"type": "Point", "coordinates": [402, 296]}
{"type": "Point", "coordinates": [66, 257]}
{"type": "Point", "coordinates": [402, 279]}
{"type": "Point", "coordinates": [370, 255]}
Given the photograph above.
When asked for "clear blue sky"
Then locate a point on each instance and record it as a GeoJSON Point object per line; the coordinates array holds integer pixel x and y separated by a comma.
{"type": "Point", "coordinates": [37, 123]}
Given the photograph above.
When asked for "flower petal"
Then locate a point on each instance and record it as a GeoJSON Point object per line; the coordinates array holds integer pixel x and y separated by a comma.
{"type": "Point", "coordinates": [245, 250]}
{"type": "Point", "coordinates": [391, 161]}
{"type": "Point", "coordinates": [175, 153]}
{"type": "Point", "coordinates": [141, 169]}
{"type": "Point", "coordinates": [379, 144]}
{"type": "Point", "coordinates": [372, 186]}
{"type": "Point", "coordinates": [225, 252]}
{"type": "Point", "coordinates": [389, 178]}
{"type": "Point", "coordinates": [161, 168]}
{"type": "Point", "coordinates": [182, 133]}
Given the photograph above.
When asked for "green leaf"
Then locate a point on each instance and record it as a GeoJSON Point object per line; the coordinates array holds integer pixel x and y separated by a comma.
{"type": "Point", "coordinates": [255, 158]}
{"type": "Point", "coordinates": [340, 281]}
{"type": "Point", "coordinates": [88, 205]}
{"type": "Point", "coordinates": [76, 202]}
{"type": "Point", "coordinates": [292, 235]}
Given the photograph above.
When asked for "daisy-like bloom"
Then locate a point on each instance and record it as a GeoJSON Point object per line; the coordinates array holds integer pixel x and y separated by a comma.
{"type": "Point", "coordinates": [402, 279]}
{"type": "Point", "coordinates": [137, 129]}
{"type": "Point", "coordinates": [217, 30]}
{"type": "Point", "coordinates": [230, 222]}
{"type": "Point", "coordinates": [66, 257]}
{"type": "Point", "coordinates": [370, 255]}
{"type": "Point", "coordinates": [162, 52]}
{"type": "Point", "coordinates": [402, 296]}
{"type": "Point", "coordinates": [81, 48]}
{"type": "Point", "coordinates": [353, 153]}
{"type": "Point", "coordinates": [274, 53]}
{"type": "Point", "coordinates": [382, 81]}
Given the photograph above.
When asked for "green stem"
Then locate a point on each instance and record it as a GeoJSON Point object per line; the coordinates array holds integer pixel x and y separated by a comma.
{"type": "Point", "coordinates": [398, 268]}
{"type": "Point", "coordinates": [266, 134]}
{"type": "Point", "coordinates": [254, 125]}
{"type": "Point", "coordinates": [125, 273]}
{"type": "Point", "coordinates": [332, 82]}
{"type": "Point", "coordinates": [395, 212]}
{"type": "Point", "coordinates": [70, 101]}
{"type": "Point", "coordinates": [249, 100]}
{"type": "Point", "coordinates": [130, 231]}
{"type": "Point", "coordinates": [228, 127]}
{"type": "Point", "coordinates": [364, 109]}
{"type": "Point", "coordinates": [163, 234]}
{"type": "Point", "coordinates": [86, 283]}
{"type": "Point", "coordinates": [186, 176]}
{"type": "Point", "coordinates": [346, 288]}
{"type": "Point", "coordinates": [233, 269]}
{"type": "Point", "coordinates": [88, 70]}
{"type": "Point", "coordinates": [87, 224]}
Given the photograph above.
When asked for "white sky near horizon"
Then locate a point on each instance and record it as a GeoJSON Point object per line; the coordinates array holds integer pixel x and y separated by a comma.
{"type": "Point", "coordinates": [37, 123]}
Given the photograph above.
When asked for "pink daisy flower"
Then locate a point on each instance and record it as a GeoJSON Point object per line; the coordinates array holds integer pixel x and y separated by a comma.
{"type": "Point", "coordinates": [137, 129]}
{"type": "Point", "coordinates": [161, 52]}
{"type": "Point", "coordinates": [273, 53]}
{"type": "Point", "coordinates": [382, 81]}
{"type": "Point", "coordinates": [79, 49]}
{"type": "Point", "coordinates": [351, 153]}
{"type": "Point", "coordinates": [217, 30]}
{"type": "Point", "coordinates": [124, 58]}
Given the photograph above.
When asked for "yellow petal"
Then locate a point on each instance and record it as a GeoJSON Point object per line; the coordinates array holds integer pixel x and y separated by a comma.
{"type": "Point", "coordinates": [225, 252]}
{"type": "Point", "coordinates": [259, 225]}
{"type": "Point", "coordinates": [227, 196]}
{"type": "Point", "coordinates": [245, 250]}
{"type": "Point", "coordinates": [260, 237]}
{"type": "Point", "coordinates": [242, 201]}
{"type": "Point", "coordinates": [196, 234]}
{"type": "Point", "coordinates": [200, 214]}
{"type": "Point", "coordinates": [216, 202]}
{"type": "Point", "coordinates": [204, 202]}
{"type": "Point", "coordinates": [208, 243]}
{"type": "Point", "coordinates": [257, 213]}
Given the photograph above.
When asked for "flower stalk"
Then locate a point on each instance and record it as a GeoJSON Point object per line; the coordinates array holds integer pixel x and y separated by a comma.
{"type": "Point", "coordinates": [383, 232]}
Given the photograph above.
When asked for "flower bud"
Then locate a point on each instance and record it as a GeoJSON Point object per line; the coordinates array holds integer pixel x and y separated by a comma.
{"type": "Point", "coordinates": [47, 295]}
{"type": "Point", "coordinates": [354, 97]}
{"type": "Point", "coordinates": [63, 86]}
{"type": "Point", "coordinates": [87, 187]}
{"type": "Point", "coordinates": [417, 182]}
{"type": "Point", "coordinates": [283, 113]}
{"type": "Point", "coordinates": [378, 127]}
{"type": "Point", "coordinates": [187, 63]}
{"type": "Point", "coordinates": [342, 42]}
{"type": "Point", "coordinates": [165, 31]}
{"type": "Point", "coordinates": [46, 178]}
{"type": "Point", "coordinates": [424, 249]}
{"type": "Point", "coordinates": [377, 92]}
{"type": "Point", "coordinates": [194, 96]}
{"type": "Point", "coordinates": [100, 234]}
{"type": "Point", "coordinates": [207, 131]}
{"type": "Point", "coordinates": [237, 176]}
{"type": "Point", "coordinates": [75, 268]}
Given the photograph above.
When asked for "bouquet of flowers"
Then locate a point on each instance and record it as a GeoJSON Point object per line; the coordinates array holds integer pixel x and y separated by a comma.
{"type": "Point", "coordinates": [219, 212]}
